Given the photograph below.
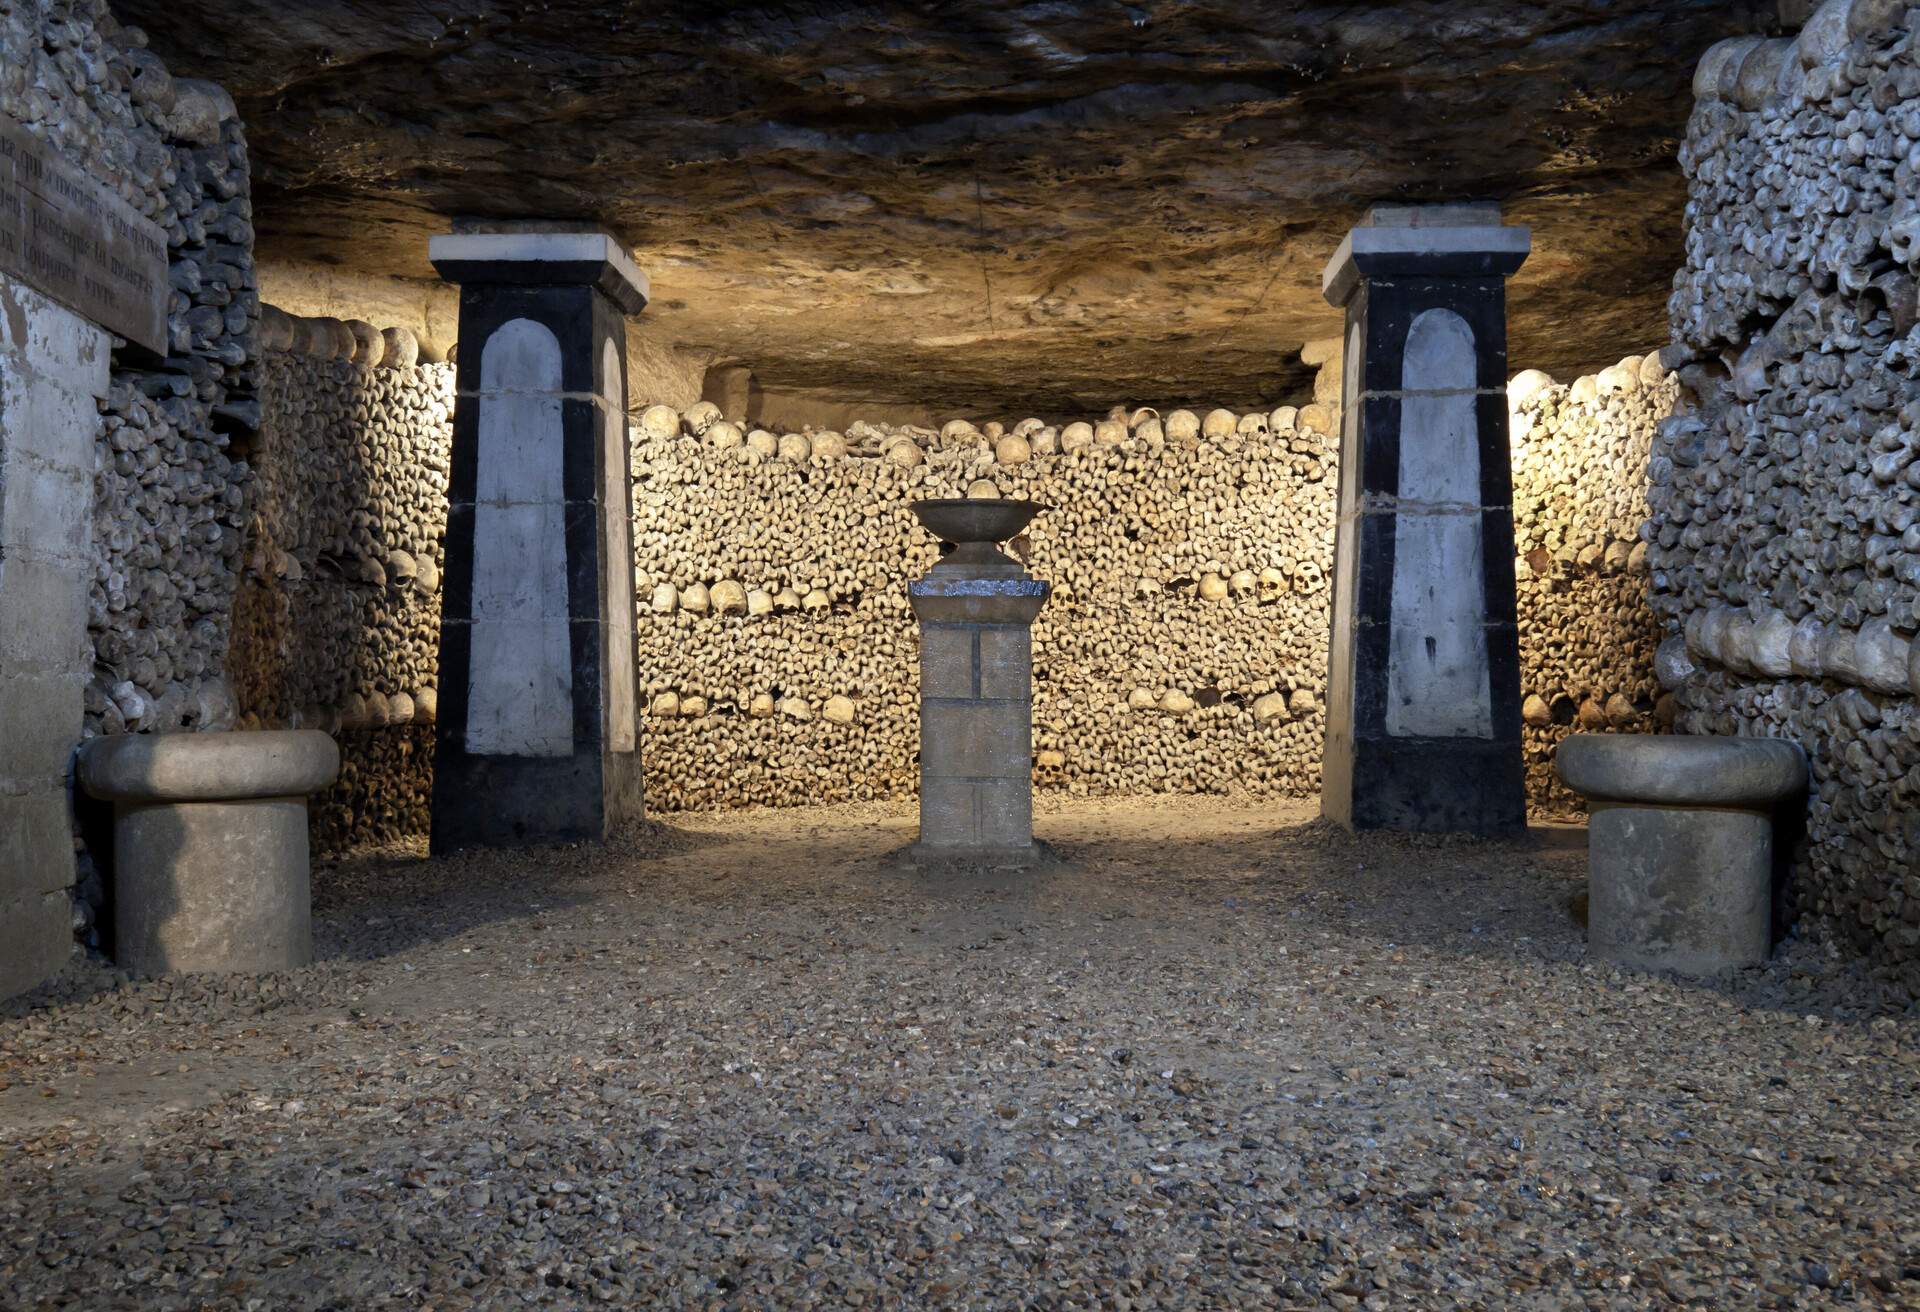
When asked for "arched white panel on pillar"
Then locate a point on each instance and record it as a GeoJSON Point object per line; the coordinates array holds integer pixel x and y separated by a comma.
{"type": "Point", "coordinates": [622, 733]}
{"type": "Point", "coordinates": [520, 699]}
{"type": "Point", "coordinates": [1437, 677]}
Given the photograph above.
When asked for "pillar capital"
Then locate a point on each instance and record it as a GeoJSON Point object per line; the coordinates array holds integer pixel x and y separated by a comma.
{"type": "Point", "coordinates": [542, 256]}
{"type": "Point", "coordinates": [1426, 241]}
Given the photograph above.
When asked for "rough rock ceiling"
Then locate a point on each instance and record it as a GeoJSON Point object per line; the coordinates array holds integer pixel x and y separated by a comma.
{"type": "Point", "coordinates": [982, 205]}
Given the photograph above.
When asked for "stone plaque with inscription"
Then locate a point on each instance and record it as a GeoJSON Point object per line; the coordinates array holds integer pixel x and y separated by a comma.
{"type": "Point", "coordinates": [69, 238]}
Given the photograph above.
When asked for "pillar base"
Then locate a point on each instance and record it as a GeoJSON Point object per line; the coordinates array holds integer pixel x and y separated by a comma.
{"type": "Point", "coordinates": [940, 854]}
{"type": "Point", "coordinates": [532, 801]}
{"type": "Point", "coordinates": [1426, 786]}
{"type": "Point", "coordinates": [1681, 889]}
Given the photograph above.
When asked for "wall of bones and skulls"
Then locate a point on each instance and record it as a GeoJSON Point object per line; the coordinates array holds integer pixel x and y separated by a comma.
{"type": "Point", "coordinates": [172, 473]}
{"type": "Point", "coordinates": [1184, 648]}
{"type": "Point", "coordinates": [336, 625]}
{"type": "Point", "coordinates": [1587, 635]}
{"type": "Point", "coordinates": [1785, 535]}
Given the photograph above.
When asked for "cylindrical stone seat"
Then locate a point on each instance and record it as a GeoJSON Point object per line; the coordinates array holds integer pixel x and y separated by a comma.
{"type": "Point", "coordinates": [210, 863]}
{"type": "Point", "coordinates": [1680, 845]}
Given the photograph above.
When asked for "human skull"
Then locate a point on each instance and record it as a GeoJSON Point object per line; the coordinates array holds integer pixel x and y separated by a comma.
{"type": "Point", "coordinates": [1183, 427]}
{"type": "Point", "coordinates": [700, 416]}
{"type": "Point", "coordinates": [660, 422]}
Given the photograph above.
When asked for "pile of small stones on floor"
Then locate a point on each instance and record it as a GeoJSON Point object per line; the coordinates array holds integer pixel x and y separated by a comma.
{"type": "Point", "coordinates": [172, 473]}
{"type": "Point", "coordinates": [1183, 649]}
{"type": "Point", "coordinates": [1226, 1057]}
{"type": "Point", "coordinates": [1785, 537]}
{"type": "Point", "coordinates": [1587, 635]}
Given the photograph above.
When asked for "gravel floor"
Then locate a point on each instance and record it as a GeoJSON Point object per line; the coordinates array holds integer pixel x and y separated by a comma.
{"type": "Point", "coordinates": [1225, 1057]}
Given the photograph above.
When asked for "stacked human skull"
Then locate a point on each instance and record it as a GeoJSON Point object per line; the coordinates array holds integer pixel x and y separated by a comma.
{"type": "Point", "coordinates": [1785, 537]}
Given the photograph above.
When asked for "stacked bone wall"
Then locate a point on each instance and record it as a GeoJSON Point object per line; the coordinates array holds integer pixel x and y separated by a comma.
{"type": "Point", "coordinates": [1785, 536]}
{"type": "Point", "coordinates": [1587, 634]}
{"type": "Point", "coordinates": [1184, 648]}
{"type": "Point", "coordinates": [171, 474]}
{"type": "Point", "coordinates": [337, 621]}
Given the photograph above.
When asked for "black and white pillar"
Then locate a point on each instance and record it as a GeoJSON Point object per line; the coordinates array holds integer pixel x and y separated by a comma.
{"type": "Point", "coordinates": [1423, 704]}
{"type": "Point", "coordinates": [537, 739]}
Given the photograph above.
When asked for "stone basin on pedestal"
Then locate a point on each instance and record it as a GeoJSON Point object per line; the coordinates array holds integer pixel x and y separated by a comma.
{"type": "Point", "coordinates": [976, 610]}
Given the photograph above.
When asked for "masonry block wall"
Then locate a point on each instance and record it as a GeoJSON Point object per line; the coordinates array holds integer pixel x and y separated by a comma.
{"type": "Point", "coordinates": [54, 368]}
{"type": "Point", "coordinates": [1785, 530]}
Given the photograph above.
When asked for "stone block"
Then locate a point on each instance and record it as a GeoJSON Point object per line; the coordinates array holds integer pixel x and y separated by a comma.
{"type": "Point", "coordinates": [949, 813]}
{"type": "Point", "coordinates": [40, 723]}
{"type": "Point", "coordinates": [45, 339]}
{"type": "Point", "coordinates": [1004, 812]}
{"type": "Point", "coordinates": [45, 510]}
{"type": "Point", "coordinates": [49, 421]}
{"type": "Point", "coordinates": [981, 740]}
{"type": "Point", "coordinates": [1006, 662]}
{"type": "Point", "coordinates": [946, 661]}
{"type": "Point", "coordinates": [36, 939]}
{"type": "Point", "coordinates": [36, 844]}
{"type": "Point", "coordinates": [55, 594]}
{"type": "Point", "coordinates": [1689, 891]}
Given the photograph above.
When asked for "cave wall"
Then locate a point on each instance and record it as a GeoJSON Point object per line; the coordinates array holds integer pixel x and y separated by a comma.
{"type": "Point", "coordinates": [1784, 536]}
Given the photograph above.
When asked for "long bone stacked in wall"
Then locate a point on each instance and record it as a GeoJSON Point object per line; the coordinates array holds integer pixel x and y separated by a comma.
{"type": "Point", "coordinates": [337, 624]}
{"type": "Point", "coordinates": [1184, 648]}
{"type": "Point", "coordinates": [1587, 637]}
{"type": "Point", "coordinates": [1785, 538]}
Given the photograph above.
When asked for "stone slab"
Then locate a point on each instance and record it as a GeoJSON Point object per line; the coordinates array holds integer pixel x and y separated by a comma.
{"type": "Point", "coordinates": [78, 243]}
{"type": "Point", "coordinates": [1682, 770]}
{"type": "Point", "coordinates": [976, 740]}
{"type": "Point", "coordinates": [36, 939]}
{"type": "Point", "coordinates": [193, 767]}
{"type": "Point", "coordinates": [40, 719]}
{"type": "Point", "coordinates": [543, 257]}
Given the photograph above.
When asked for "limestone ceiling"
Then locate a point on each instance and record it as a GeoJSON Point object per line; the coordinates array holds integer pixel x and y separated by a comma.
{"type": "Point", "coordinates": [975, 204]}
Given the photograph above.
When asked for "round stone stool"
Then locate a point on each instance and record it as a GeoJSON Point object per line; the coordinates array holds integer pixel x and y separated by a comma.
{"type": "Point", "coordinates": [210, 862]}
{"type": "Point", "coordinates": [1680, 845]}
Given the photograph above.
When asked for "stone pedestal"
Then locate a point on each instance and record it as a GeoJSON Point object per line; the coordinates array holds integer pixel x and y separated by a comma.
{"type": "Point", "coordinates": [976, 708]}
{"type": "Point", "coordinates": [1680, 845]}
{"type": "Point", "coordinates": [210, 861]}
{"type": "Point", "coordinates": [537, 738]}
{"type": "Point", "coordinates": [1423, 700]}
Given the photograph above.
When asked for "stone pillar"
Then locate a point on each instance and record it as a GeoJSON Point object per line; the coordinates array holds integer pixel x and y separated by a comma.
{"type": "Point", "coordinates": [976, 710]}
{"type": "Point", "coordinates": [1423, 702]}
{"type": "Point", "coordinates": [537, 740]}
{"type": "Point", "coordinates": [54, 365]}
